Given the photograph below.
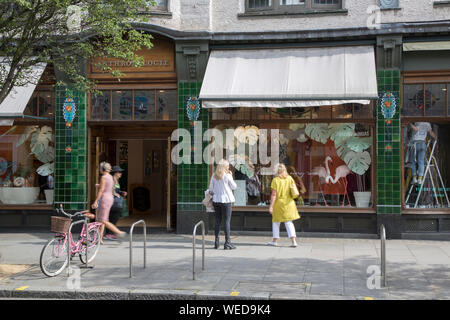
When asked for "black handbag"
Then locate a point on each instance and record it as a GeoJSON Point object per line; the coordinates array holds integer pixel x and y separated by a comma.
{"type": "Point", "coordinates": [118, 202]}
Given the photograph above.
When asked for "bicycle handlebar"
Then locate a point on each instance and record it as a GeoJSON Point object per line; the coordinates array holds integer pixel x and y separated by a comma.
{"type": "Point", "coordinates": [76, 214]}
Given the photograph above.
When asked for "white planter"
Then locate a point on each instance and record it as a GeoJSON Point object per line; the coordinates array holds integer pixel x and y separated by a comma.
{"type": "Point", "coordinates": [49, 195]}
{"type": "Point", "coordinates": [362, 199]}
{"type": "Point", "coordinates": [26, 195]}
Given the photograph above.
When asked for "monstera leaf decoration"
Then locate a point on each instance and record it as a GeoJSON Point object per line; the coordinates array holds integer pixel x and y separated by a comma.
{"type": "Point", "coordinates": [340, 132]}
{"type": "Point", "coordinates": [318, 132]}
{"type": "Point", "coordinates": [358, 162]}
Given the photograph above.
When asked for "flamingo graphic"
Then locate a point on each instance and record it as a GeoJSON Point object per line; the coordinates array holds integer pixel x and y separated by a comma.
{"type": "Point", "coordinates": [322, 173]}
{"type": "Point", "coordinates": [341, 172]}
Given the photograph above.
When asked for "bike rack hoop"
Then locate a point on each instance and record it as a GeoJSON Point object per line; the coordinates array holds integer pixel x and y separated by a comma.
{"type": "Point", "coordinates": [131, 245]}
{"type": "Point", "coordinates": [383, 255]}
{"type": "Point", "coordinates": [200, 223]}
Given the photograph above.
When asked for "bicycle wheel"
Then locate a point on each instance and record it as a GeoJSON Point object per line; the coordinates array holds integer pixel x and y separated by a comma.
{"type": "Point", "coordinates": [53, 258]}
{"type": "Point", "coordinates": [94, 245]}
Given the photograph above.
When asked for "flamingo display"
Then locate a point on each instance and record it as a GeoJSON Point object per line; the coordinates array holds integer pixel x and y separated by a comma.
{"type": "Point", "coordinates": [341, 172]}
{"type": "Point", "coordinates": [322, 173]}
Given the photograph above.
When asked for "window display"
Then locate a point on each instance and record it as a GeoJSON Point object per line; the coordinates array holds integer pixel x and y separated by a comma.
{"type": "Point", "coordinates": [330, 162]}
{"type": "Point", "coordinates": [426, 159]}
{"type": "Point", "coordinates": [26, 164]}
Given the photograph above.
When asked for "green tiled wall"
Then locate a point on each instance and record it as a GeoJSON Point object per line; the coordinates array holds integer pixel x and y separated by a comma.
{"type": "Point", "coordinates": [192, 178]}
{"type": "Point", "coordinates": [71, 168]}
{"type": "Point", "coordinates": [389, 175]}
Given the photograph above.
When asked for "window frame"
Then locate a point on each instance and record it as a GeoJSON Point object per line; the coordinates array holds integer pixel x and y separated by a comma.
{"type": "Point", "coordinates": [308, 6]}
{"type": "Point", "coordinates": [110, 91]}
{"type": "Point", "coordinates": [422, 78]}
{"type": "Point", "coordinates": [371, 122]}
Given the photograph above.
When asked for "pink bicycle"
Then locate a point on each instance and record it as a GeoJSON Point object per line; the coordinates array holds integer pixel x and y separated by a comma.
{"type": "Point", "coordinates": [54, 257]}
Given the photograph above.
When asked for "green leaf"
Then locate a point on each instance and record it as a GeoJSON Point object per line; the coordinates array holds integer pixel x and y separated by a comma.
{"type": "Point", "coordinates": [40, 140]}
{"type": "Point", "coordinates": [358, 144]}
{"type": "Point", "coordinates": [318, 132]}
{"type": "Point", "coordinates": [358, 162]}
{"type": "Point", "coordinates": [46, 169]}
{"type": "Point", "coordinates": [341, 131]}
{"type": "Point", "coordinates": [24, 137]}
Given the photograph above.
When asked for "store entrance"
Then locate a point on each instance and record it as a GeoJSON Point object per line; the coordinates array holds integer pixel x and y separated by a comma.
{"type": "Point", "coordinates": [149, 178]}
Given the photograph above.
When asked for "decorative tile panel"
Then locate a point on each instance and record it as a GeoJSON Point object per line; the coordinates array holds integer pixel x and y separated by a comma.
{"type": "Point", "coordinates": [71, 151]}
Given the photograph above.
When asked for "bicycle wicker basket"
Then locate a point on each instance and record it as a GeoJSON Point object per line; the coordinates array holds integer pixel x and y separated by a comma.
{"type": "Point", "coordinates": [60, 224]}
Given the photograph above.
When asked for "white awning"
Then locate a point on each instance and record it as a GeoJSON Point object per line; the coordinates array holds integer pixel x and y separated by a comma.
{"type": "Point", "coordinates": [17, 100]}
{"type": "Point", "coordinates": [294, 77]}
{"type": "Point", "coordinates": [426, 46]}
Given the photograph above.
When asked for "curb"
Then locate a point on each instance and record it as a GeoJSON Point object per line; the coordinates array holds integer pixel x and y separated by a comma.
{"type": "Point", "coordinates": [125, 294]}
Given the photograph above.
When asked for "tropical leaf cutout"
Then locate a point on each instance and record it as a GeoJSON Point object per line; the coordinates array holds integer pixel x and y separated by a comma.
{"type": "Point", "coordinates": [40, 140]}
{"type": "Point", "coordinates": [318, 132]}
{"type": "Point", "coordinates": [340, 132]}
{"type": "Point", "coordinates": [46, 169]}
{"type": "Point", "coordinates": [48, 155]}
{"type": "Point", "coordinates": [24, 137]}
{"type": "Point", "coordinates": [358, 162]}
{"type": "Point", "coordinates": [358, 144]}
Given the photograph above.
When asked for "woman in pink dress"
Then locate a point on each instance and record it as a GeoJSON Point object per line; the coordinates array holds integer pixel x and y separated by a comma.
{"type": "Point", "coordinates": [106, 197]}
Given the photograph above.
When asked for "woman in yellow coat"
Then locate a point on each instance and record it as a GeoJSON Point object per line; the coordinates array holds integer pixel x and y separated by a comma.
{"type": "Point", "coordinates": [282, 205]}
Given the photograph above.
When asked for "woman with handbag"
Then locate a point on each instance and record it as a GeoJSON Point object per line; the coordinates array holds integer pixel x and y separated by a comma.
{"type": "Point", "coordinates": [282, 205]}
{"type": "Point", "coordinates": [221, 187]}
{"type": "Point", "coordinates": [117, 207]}
{"type": "Point", "coordinates": [104, 201]}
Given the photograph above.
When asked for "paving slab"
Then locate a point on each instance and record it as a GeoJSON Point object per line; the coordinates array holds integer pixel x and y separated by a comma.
{"type": "Point", "coordinates": [319, 268]}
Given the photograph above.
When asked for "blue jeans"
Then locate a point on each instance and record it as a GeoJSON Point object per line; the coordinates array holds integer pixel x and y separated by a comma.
{"type": "Point", "coordinates": [418, 160]}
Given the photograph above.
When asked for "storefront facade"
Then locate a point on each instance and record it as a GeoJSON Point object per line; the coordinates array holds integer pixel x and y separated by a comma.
{"type": "Point", "coordinates": [411, 87]}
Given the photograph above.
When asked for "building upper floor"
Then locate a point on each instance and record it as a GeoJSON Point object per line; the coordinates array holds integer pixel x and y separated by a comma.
{"type": "Point", "coordinates": [285, 15]}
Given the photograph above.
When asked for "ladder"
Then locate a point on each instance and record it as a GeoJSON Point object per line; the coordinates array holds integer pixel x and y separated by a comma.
{"type": "Point", "coordinates": [431, 164]}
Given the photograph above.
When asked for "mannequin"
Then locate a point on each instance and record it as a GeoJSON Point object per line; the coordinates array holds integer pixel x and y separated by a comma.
{"type": "Point", "coordinates": [420, 133]}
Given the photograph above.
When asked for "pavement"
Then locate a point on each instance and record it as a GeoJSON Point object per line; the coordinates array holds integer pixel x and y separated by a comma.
{"type": "Point", "coordinates": [318, 269]}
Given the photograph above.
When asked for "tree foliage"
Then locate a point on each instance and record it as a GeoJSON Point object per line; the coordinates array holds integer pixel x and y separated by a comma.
{"type": "Point", "coordinates": [66, 34]}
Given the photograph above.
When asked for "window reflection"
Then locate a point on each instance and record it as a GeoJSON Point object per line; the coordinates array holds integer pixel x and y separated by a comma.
{"type": "Point", "coordinates": [144, 105]}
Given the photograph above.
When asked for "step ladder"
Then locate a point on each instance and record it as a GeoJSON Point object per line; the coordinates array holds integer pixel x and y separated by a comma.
{"type": "Point", "coordinates": [431, 165]}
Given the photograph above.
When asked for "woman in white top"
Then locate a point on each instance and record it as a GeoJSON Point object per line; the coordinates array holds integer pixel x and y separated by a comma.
{"type": "Point", "coordinates": [221, 187]}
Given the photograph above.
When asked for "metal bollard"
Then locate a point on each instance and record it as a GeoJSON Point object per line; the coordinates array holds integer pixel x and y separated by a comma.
{"type": "Point", "coordinates": [383, 255]}
{"type": "Point", "coordinates": [193, 247]}
{"type": "Point", "coordinates": [131, 245]}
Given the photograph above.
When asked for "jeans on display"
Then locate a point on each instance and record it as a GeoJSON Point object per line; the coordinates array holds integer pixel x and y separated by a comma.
{"type": "Point", "coordinates": [223, 210]}
{"type": "Point", "coordinates": [418, 160]}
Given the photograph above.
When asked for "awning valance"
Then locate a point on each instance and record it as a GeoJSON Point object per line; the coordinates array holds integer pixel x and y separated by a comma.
{"type": "Point", "coordinates": [15, 103]}
{"type": "Point", "coordinates": [294, 77]}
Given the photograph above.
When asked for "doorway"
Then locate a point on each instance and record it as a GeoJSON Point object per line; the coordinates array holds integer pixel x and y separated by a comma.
{"type": "Point", "coordinates": [149, 178]}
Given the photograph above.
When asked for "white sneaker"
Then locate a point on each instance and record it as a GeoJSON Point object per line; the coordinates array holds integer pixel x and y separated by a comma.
{"type": "Point", "coordinates": [414, 180]}
{"type": "Point", "coordinates": [273, 244]}
{"type": "Point", "coordinates": [294, 244]}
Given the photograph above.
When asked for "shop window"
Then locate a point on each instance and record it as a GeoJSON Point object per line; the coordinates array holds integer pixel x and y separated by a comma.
{"type": "Point", "coordinates": [144, 104]}
{"type": "Point", "coordinates": [166, 104]}
{"type": "Point", "coordinates": [338, 112]}
{"type": "Point", "coordinates": [426, 165]}
{"type": "Point", "coordinates": [26, 165]}
{"type": "Point", "coordinates": [330, 162]}
{"type": "Point", "coordinates": [41, 104]}
{"type": "Point", "coordinates": [122, 104]}
{"type": "Point", "coordinates": [101, 106]}
{"type": "Point", "coordinates": [427, 99]}
{"type": "Point", "coordinates": [129, 105]}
